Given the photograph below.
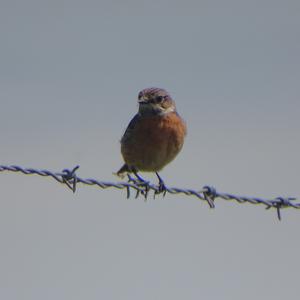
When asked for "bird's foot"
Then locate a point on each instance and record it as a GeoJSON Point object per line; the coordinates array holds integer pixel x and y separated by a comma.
{"type": "Point", "coordinates": [141, 182]}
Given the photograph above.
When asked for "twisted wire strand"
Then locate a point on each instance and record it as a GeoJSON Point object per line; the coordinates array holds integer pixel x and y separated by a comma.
{"type": "Point", "coordinates": [143, 187]}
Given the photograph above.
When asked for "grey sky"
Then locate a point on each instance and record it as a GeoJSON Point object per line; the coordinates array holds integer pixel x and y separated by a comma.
{"type": "Point", "coordinates": [70, 72]}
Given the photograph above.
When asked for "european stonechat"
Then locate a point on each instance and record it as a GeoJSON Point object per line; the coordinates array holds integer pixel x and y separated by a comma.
{"type": "Point", "coordinates": [154, 136]}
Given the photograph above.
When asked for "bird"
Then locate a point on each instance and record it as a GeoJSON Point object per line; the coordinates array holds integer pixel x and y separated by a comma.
{"type": "Point", "coordinates": [154, 136]}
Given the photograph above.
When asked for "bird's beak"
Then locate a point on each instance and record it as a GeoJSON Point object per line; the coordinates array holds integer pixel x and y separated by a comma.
{"type": "Point", "coordinates": [142, 101]}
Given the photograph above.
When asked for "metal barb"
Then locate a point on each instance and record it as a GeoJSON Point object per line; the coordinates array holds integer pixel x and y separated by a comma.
{"type": "Point", "coordinates": [210, 194]}
{"type": "Point", "coordinates": [70, 178]}
{"type": "Point", "coordinates": [281, 203]}
{"type": "Point", "coordinates": [278, 212]}
{"type": "Point", "coordinates": [128, 192]}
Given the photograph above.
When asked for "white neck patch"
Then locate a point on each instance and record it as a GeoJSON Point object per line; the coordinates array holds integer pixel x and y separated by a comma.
{"type": "Point", "coordinates": [168, 110]}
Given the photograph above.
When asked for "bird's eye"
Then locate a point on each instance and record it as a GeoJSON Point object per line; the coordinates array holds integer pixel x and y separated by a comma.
{"type": "Point", "coordinates": [159, 99]}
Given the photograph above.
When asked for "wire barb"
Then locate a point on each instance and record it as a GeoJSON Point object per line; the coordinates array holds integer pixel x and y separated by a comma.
{"type": "Point", "coordinates": [143, 187]}
{"type": "Point", "coordinates": [210, 194]}
{"type": "Point", "coordinates": [70, 178]}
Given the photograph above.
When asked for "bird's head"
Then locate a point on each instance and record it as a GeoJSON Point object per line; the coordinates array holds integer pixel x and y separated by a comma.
{"type": "Point", "coordinates": [155, 101]}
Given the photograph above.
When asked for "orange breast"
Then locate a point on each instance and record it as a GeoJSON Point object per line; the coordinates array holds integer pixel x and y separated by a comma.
{"type": "Point", "coordinates": [153, 142]}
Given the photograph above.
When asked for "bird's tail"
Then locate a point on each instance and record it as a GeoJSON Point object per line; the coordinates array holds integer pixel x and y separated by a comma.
{"type": "Point", "coordinates": [122, 172]}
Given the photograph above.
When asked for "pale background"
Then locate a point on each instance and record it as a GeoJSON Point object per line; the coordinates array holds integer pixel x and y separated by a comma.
{"type": "Point", "coordinates": [70, 72]}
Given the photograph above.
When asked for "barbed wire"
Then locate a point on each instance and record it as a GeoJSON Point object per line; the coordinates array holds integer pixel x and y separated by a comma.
{"type": "Point", "coordinates": [143, 187]}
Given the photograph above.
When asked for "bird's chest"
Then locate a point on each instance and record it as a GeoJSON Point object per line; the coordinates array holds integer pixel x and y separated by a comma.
{"type": "Point", "coordinates": [160, 137]}
{"type": "Point", "coordinates": [157, 132]}
{"type": "Point", "coordinates": [153, 142]}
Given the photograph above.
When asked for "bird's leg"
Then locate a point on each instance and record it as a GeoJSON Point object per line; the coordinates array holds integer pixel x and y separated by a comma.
{"type": "Point", "coordinates": [140, 178]}
{"type": "Point", "coordinates": [143, 182]}
{"type": "Point", "coordinates": [137, 178]}
{"type": "Point", "coordinates": [161, 185]}
{"type": "Point", "coordinates": [135, 172]}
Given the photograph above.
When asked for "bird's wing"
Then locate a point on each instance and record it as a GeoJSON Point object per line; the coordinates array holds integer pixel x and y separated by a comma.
{"type": "Point", "coordinates": [131, 126]}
